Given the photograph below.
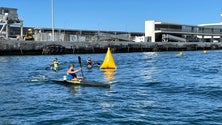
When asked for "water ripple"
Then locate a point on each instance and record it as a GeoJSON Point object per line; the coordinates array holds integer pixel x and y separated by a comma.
{"type": "Point", "coordinates": [147, 88]}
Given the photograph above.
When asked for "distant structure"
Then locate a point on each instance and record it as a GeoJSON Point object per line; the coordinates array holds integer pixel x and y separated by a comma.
{"type": "Point", "coordinates": [155, 31]}
{"type": "Point", "coordinates": [9, 16]}
{"type": "Point", "coordinates": [158, 31]}
{"type": "Point", "coordinates": [75, 35]}
{"type": "Point", "coordinates": [12, 28]}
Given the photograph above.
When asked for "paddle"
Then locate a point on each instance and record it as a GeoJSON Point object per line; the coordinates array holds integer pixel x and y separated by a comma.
{"type": "Point", "coordinates": [80, 63]}
{"type": "Point", "coordinates": [97, 63]}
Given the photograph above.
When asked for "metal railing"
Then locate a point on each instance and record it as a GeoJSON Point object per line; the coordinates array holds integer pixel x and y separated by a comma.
{"type": "Point", "coordinates": [205, 30]}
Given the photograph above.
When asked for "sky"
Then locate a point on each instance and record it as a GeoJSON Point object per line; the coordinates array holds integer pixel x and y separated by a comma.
{"type": "Point", "coordinates": [114, 15]}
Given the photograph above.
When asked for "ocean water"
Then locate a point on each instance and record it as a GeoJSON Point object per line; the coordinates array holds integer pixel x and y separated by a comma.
{"type": "Point", "coordinates": [147, 88]}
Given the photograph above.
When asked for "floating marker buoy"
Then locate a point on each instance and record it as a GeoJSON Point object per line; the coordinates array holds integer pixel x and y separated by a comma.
{"type": "Point", "coordinates": [204, 52]}
{"type": "Point", "coordinates": [108, 62]}
{"type": "Point", "coordinates": [180, 54]}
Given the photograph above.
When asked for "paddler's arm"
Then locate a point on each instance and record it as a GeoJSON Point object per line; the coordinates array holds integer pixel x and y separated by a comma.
{"type": "Point", "coordinates": [52, 63]}
{"type": "Point", "coordinates": [74, 71]}
{"type": "Point", "coordinates": [78, 70]}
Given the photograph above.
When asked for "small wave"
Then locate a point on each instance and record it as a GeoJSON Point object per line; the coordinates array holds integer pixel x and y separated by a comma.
{"type": "Point", "coordinates": [205, 70]}
{"type": "Point", "coordinates": [38, 78]}
{"type": "Point", "coordinates": [148, 84]}
{"type": "Point", "coordinates": [107, 105]}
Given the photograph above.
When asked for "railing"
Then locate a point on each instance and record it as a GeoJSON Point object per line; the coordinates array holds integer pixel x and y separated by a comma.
{"type": "Point", "coordinates": [1, 17]}
{"type": "Point", "coordinates": [205, 30]}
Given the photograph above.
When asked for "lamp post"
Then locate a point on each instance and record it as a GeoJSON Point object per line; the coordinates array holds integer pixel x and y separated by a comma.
{"type": "Point", "coordinates": [221, 17]}
{"type": "Point", "coordinates": [53, 32]}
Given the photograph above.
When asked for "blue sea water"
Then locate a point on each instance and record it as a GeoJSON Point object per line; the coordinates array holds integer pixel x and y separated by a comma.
{"type": "Point", "coordinates": [147, 88]}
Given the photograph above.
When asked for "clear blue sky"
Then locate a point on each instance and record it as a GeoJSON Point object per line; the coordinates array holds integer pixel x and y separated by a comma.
{"type": "Point", "coordinates": [115, 15]}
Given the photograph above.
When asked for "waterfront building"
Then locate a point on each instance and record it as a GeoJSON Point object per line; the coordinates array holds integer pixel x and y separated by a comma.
{"type": "Point", "coordinates": [75, 35]}
{"type": "Point", "coordinates": [155, 31]}
{"type": "Point", "coordinates": [8, 18]}
{"type": "Point", "coordinates": [159, 31]}
{"type": "Point", "coordinates": [78, 35]}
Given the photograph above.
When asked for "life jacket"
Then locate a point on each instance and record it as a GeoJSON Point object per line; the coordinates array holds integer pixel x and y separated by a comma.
{"type": "Point", "coordinates": [55, 63]}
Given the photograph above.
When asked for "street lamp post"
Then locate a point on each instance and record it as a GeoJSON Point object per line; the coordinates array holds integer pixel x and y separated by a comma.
{"type": "Point", "coordinates": [53, 32]}
{"type": "Point", "coordinates": [221, 17]}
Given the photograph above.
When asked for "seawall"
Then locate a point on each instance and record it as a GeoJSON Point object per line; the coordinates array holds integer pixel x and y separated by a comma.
{"type": "Point", "coordinates": [57, 47]}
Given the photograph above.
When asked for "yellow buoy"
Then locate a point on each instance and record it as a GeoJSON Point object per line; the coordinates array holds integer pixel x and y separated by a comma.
{"type": "Point", "coordinates": [204, 52]}
{"type": "Point", "coordinates": [108, 62]}
{"type": "Point", "coordinates": [180, 54]}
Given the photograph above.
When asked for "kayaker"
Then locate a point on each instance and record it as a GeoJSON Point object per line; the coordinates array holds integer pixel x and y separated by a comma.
{"type": "Point", "coordinates": [89, 62]}
{"type": "Point", "coordinates": [55, 64]}
{"type": "Point", "coordinates": [71, 73]}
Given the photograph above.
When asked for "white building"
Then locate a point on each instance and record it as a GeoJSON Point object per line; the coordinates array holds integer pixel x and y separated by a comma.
{"type": "Point", "coordinates": [158, 31]}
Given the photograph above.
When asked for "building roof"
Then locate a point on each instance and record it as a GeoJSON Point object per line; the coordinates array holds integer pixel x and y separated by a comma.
{"type": "Point", "coordinates": [211, 24]}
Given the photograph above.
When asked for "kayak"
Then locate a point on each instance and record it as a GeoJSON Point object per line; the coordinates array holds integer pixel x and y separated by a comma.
{"type": "Point", "coordinates": [82, 83]}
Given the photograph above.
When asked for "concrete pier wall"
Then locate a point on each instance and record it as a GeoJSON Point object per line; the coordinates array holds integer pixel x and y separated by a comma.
{"type": "Point", "coordinates": [57, 47]}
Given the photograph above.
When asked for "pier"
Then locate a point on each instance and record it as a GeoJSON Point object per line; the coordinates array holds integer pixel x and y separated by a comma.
{"type": "Point", "coordinates": [8, 47]}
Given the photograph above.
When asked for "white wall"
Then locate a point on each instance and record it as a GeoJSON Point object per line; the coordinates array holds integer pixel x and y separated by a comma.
{"type": "Point", "coordinates": [150, 30]}
{"type": "Point", "coordinates": [139, 39]}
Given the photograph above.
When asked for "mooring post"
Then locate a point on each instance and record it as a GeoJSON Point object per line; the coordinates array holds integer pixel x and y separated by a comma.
{"type": "Point", "coordinates": [21, 51]}
{"type": "Point", "coordinates": [93, 49]}
{"type": "Point", "coordinates": [73, 49]}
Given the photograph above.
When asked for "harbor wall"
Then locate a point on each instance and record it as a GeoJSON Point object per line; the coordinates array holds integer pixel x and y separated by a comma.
{"type": "Point", "coordinates": [48, 47]}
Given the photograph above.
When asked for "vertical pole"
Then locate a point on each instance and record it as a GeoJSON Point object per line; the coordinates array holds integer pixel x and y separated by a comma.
{"type": "Point", "coordinates": [7, 30]}
{"type": "Point", "coordinates": [221, 17]}
{"type": "Point", "coordinates": [53, 32]}
{"type": "Point", "coordinates": [21, 26]}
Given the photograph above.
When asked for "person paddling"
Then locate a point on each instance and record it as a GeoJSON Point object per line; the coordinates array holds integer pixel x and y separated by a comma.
{"type": "Point", "coordinates": [89, 62]}
{"type": "Point", "coordinates": [72, 74]}
{"type": "Point", "coordinates": [55, 64]}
